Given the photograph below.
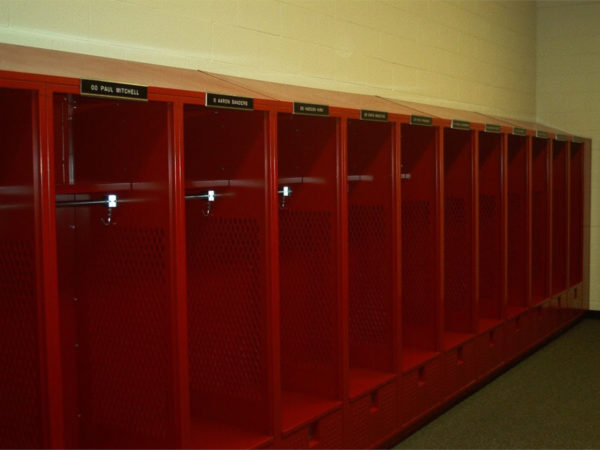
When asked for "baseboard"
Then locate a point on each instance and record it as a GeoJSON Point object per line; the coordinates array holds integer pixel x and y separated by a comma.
{"type": "Point", "coordinates": [592, 314]}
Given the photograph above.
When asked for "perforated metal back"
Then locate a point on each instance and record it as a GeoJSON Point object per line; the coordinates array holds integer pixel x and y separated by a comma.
{"type": "Point", "coordinates": [227, 319]}
{"type": "Point", "coordinates": [21, 398]}
{"type": "Point", "coordinates": [308, 306]}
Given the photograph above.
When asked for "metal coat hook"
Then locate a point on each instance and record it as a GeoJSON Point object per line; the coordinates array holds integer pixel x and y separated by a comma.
{"type": "Point", "coordinates": [111, 202]}
{"type": "Point", "coordinates": [209, 197]}
{"type": "Point", "coordinates": [284, 193]}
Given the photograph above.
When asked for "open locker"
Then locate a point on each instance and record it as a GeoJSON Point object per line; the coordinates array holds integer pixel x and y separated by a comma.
{"type": "Point", "coordinates": [491, 230]}
{"type": "Point", "coordinates": [540, 219]}
{"type": "Point", "coordinates": [113, 228]}
{"type": "Point", "coordinates": [226, 232]}
{"type": "Point", "coordinates": [576, 215]}
{"type": "Point", "coordinates": [420, 252]}
{"type": "Point", "coordinates": [372, 282]}
{"type": "Point", "coordinates": [559, 216]}
{"type": "Point", "coordinates": [21, 395]}
{"type": "Point", "coordinates": [518, 221]}
{"type": "Point", "coordinates": [309, 244]}
{"type": "Point", "coordinates": [458, 237]}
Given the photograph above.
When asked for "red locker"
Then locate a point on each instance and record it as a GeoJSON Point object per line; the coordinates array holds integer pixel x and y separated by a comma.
{"type": "Point", "coordinates": [227, 305]}
{"type": "Point", "coordinates": [22, 417]}
{"type": "Point", "coordinates": [114, 270]}
{"type": "Point", "coordinates": [559, 216]}
{"type": "Point", "coordinates": [576, 214]}
{"type": "Point", "coordinates": [309, 242]}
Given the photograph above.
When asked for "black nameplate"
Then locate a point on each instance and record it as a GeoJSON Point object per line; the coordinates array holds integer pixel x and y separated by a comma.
{"type": "Point", "coordinates": [492, 128]}
{"type": "Point", "coordinates": [109, 89]}
{"type": "Point", "coordinates": [311, 109]}
{"type": "Point", "coordinates": [229, 102]}
{"type": "Point", "coordinates": [461, 125]}
{"type": "Point", "coordinates": [421, 120]}
{"type": "Point", "coordinates": [379, 116]}
{"type": "Point", "coordinates": [577, 140]}
{"type": "Point", "coordinates": [520, 131]}
{"type": "Point", "coordinates": [541, 134]}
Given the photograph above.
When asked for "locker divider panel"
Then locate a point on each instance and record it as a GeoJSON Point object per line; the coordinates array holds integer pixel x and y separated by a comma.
{"type": "Point", "coordinates": [540, 238]}
{"type": "Point", "coordinates": [559, 216]}
{"type": "Point", "coordinates": [576, 215]}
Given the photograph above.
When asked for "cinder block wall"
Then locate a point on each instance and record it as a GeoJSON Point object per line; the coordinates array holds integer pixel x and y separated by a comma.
{"type": "Point", "coordinates": [467, 54]}
{"type": "Point", "coordinates": [568, 92]}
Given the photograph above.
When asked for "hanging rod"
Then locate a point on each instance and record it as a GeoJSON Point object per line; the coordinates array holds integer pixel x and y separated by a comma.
{"type": "Point", "coordinates": [110, 201]}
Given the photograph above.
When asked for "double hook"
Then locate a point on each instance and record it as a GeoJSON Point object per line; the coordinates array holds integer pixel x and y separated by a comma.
{"type": "Point", "coordinates": [284, 193]}
{"type": "Point", "coordinates": [111, 202]}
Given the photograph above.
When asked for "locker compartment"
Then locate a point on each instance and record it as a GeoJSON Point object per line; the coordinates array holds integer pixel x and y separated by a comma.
{"type": "Point", "coordinates": [576, 215]}
{"type": "Point", "coordinates": [371, 253]}
{"type": "Point", "coordinates": [489, 349]}
{"type": "Point", "coordinates": [114, 262]}
{"type": "Point", "coordinates": [460, 367]}
{"type": "Point", "coordinates": [308, 258]}
{"type": "Point", "coordinates": [372, 416]}
{"type": "Point", "coordinates": [421, 389]}
{"type": "Point", "coordinates": [518, 220]}
{"type": "Point", "coordinates": [226, 234]}
{"type": "Point", "coordinates": [21, 393]}
{"type": "Point", "coordinates": [540, 237]}
{"type": "Point", "coordinates": [491, 253]}
{"type": "Point", "coordinates": [458, 237]}
{"type": "Point", "coordinates": [559, 217]}
{"type": "Point", "coordinates": [323, 432]}
{"type": "Point", "coordinates": [420, 252]}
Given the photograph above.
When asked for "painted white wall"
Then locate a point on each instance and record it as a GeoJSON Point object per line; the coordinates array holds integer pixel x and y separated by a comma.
{"type": "Point", "coordinates": [466, 54]}
{"type": "Point", "coordinates": [568, 92]}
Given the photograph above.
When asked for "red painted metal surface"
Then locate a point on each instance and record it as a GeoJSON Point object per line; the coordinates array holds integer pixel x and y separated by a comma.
{"type": "Point", "coordinates": [371, 253]}
{"type": "Point", "coordinates": [490, 226]}
{"type": "Point", "coordinates": [540, 220]}
{"type": "Point", "coordinates": [559, 216]}
{"type": "Point", "coordinates": [489, 350]}
{"type": "Point", "coordinates": [308, 245]}
{"type": "Point", "coordinates": [114, 281]}
{"type": "Point", "coordinates": [225, 151]}
{"type": "Point", "coordinates": [517, 222]}
{"type": "Point", "coordinates": [21, 377]}
{"type": "Point", "coordinates": [422, 388]}
{"type": "Point", "coordinates": [458, 233]}
{"type": "Point", "coordinates": [576, 215]}
{"type": "Point", "coordinates": [419, 237]}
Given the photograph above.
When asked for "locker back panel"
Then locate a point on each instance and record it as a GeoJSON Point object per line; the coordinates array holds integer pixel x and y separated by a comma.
{"type": "Point", "coordinates": [20, 378]}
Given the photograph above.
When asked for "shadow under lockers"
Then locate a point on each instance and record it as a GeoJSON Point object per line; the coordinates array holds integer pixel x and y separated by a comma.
{"type": "Point", "coordinates": [225, 152]}
{"type": "Point", "coordinates": [114, 271]}
{"type": "Point", "coordinates": [21, 395]}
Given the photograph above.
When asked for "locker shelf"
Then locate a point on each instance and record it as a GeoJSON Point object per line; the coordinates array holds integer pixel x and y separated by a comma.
{"type": "Point", "coordinates": [365, 380]}
{"type": "Point", "coordinates": [458, 234]}
{"type": "Point", "coordinates": [301, 409]}
{"type": "Point", "coordinates": [512, 310]}
{"type": "Point", "coordinates": [212, 434]}
{"type": "Point", "coordinates": [453, 339]}
{"type": "Point", "coordinates": [227, 276]}
{"type": "Point", "coordinates": [21, 413]}
{"type": "Point", "coordinates": [67, 189]}
{"type": "Point", "coordinates": [487, 324]}
{"type": "Point", "coordinates": [518, 222]}
{"type": "Point", "coordinates": [371, 256]}
{"type": "Point", "coordinates": [412, 357]}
